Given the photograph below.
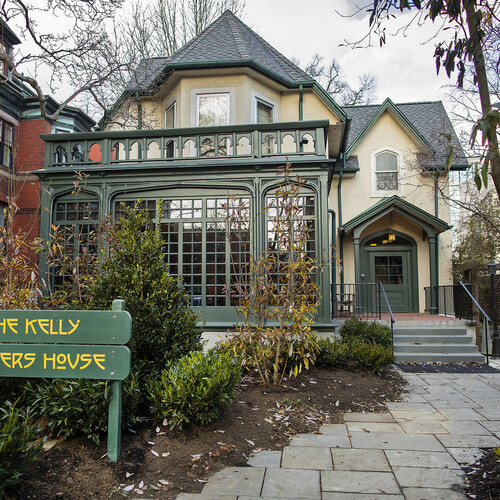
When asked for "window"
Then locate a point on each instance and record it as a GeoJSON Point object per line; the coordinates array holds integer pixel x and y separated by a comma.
{"type": "Point", "coordinates": [386, 173]}
{"type": "Point", "coordinates": [207, 242]}
{"type": "Point", "coordinates": [6, 143]}
{"type": "Point", "coordinates": [212, 109]}
{"type": "Point", "coordinates": [265, 112]}
{"type": "Point", "coordinates": [170, 118]}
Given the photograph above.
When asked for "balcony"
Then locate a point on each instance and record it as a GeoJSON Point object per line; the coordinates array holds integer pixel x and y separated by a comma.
{"type": "Point", "coordinates": [155, 147]}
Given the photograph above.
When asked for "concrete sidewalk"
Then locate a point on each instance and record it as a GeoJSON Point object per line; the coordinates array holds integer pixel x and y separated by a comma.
{"type": "Point", "coordinates": [413, 452]}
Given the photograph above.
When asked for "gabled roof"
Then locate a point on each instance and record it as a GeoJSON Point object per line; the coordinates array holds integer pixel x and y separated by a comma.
{"type": "Point", "coordinates": [403, 207]}
{"type": "Point", "coordinates": [425, 121]}
{"type": "Point", "coordinates": [226, 42]}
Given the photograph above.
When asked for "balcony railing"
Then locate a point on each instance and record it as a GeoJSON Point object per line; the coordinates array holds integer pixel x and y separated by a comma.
{"type": "Point", "coordinates": [452, 300]}
{"type": "Point", "coordinates": [88, 149]}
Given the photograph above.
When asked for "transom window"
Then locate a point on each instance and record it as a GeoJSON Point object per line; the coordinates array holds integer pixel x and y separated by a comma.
{"type": "Point", "coordinates": [207, 242]}
{"type": "Point", "coordinates": [213, 109]}
{"type": "Point", "coordinates": [387, 171]}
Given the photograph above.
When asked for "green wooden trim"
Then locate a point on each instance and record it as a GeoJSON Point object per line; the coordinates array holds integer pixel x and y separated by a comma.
{"type": "Point", "coordinates": [389, 105]}
{"type": "Point", "coordinates": [407, 209]}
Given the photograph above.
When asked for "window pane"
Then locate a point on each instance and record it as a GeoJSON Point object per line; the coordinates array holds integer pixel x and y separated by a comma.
{"type": "Point", "coordinates": [387, 182]}
{"type": "Point", "coordinates": [386, 162]}
{"type": "Point", "coordinates": [213, 109]}
{"type": "Point", "coordinates": [264, 112]}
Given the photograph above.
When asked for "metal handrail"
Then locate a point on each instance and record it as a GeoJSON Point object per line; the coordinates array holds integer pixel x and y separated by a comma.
{"type": "Point", "coordinates": [388, 309]}
{"type": "Point", "coordinates": [486, 317]}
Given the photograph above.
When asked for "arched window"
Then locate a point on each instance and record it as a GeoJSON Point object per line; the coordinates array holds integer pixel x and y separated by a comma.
{"type": "Point", "coordinates": [386, 173]}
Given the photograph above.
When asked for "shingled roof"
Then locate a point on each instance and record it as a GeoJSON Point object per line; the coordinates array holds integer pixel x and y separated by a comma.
{"type": "Point", "coordinates": [426, 120]}
{"type": "Point", "coordinates": [226, 42]}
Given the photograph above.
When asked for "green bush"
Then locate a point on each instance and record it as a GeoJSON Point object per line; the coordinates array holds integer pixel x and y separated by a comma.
{"type": "Point", "coordinates": [80, 407]}
{"type": "Point", "coordinates": [369, 332]}
{"type": "Point", "coordinates": [194, 389]}
{"type": "Point", "coordinates": [17, 389]}
{"type": "Point", "coordinates": [163, 324]}
{"type": "Point", "coordinates": [332, 353]}
{"type": "Point", "coordinates": [372, 357]}
{"type": "Point", "coordinates": [15, 451]}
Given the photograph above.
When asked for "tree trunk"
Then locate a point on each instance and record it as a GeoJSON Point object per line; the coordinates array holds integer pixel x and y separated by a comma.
{"type": "Point", "coordinates": [483, 87]}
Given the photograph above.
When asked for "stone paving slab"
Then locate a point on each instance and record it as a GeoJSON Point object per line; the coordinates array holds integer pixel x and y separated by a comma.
{"type": "Point", "coordinates": [432, 494]}
{"type": "Point", "coordinates": [236, 481]}
{"type": "Point", "coordinates": [265, 458]}
{"type": "Point", "coordinates": [441, 404]}
{"type": "Point", "coordinates": [196, 496]}
{"type": "Point", "coordinates": [424, 477]}
{"type": "Point", "coordinates": [462, 414]}
{"type": "Point", "coordinates": [368, 417]}
{"type": "Point", "coordinates": [456, 441]}
{"type": "Point", "coordinates": [465, 428]}
{"type": "Point", "coordinates": [414, 398]}
{"type": "Point", "coordinates": [292, 483]}
{"type": "Point", "coordinates": [360, 496]}
{"type": "Point", "coordinates": [417, 415]}
{"type": "Point", "coordinates": [491, 425]}
{"type": "Point", "coordinates": [488, 413]}
{"type": "Point", "coordinates": [465, 455]}
{"type": "Point", "coordinates": [431, 459]}
{"type": "Point", "coordinates": [409, 406]}
{"type": "Point", "coordinates": [321, 440]}
{"type": "Point", "coordinates": [334, 429]}
{"type": "Point", "coordinates": [297, 457]}
{"type": "Point", "coordinates": [427, 427]}
{"type": "Point", "coordinates": [374, 427]}
{"type": "Point", "coordinates": [359, 482]}
{"type": "Point", "coordinates": [359, 460]}
{"type": "Point", "coordinates": [388, 441]}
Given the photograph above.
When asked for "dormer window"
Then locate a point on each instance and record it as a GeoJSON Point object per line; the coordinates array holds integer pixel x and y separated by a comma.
{"type": "Point", "coordinates": [386, 173]}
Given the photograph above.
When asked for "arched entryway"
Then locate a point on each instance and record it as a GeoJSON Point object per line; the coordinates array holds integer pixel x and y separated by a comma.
{"type": "Point", "coordinates": [390, 257]}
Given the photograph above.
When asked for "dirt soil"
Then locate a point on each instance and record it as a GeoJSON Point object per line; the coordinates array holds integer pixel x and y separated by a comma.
{"type": "Point", "coordinates": [483, 477]}
{"type": "Point", "coordinates": [156, 462]}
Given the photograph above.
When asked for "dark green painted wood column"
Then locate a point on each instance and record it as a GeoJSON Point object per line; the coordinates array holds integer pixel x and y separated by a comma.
{"type": "Point", "coordinates": [433, 276]}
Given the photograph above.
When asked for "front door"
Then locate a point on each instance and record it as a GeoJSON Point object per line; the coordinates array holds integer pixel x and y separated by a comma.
{"type": "Point", "coordinates": [392, 270]}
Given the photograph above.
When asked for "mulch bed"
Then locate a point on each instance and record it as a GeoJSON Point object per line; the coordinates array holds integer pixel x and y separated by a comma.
{"type": "Point", "coordinates": [159, 463]}
{"type": "Point", "coordinates": [483, 477]}
{"type": "Point", "coordinates": [446, 368]}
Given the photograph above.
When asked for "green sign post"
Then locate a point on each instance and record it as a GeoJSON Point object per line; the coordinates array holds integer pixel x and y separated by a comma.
{"type": "Point", "coordinates": [71, 344]}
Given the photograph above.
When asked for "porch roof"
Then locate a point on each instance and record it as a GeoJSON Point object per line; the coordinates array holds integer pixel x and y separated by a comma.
{"type": "Point", "coordinates": [396, 204]}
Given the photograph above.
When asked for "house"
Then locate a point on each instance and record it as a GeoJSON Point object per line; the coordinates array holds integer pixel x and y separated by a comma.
{"type": "Point", "coordinates": [204, 131]}
{"type": "Point", "coordinates": [22, 151]}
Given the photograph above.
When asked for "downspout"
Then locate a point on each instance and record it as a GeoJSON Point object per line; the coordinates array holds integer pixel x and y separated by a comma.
{"type": "Point", "coordinates": [139, 120]}
{"type": "Point", "coordinates": [436, 213]}
{"type": "Point", "coordinates": [301, 102]}
{"type": "Point", "coordinates": [341, 249]}
{"type": "Point", "coordinates": [334, 260]}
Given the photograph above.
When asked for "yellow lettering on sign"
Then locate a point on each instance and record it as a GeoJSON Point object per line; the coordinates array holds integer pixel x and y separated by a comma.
{"type": "Point", "coordinates": [61, 361]}
{"type": "Point", "coordinates": [29, 356]}
{"type": "Point", "coordinates": [16, 359]}
{"type": "Point", "coordinates": [44, 323]}
{"type": "Point", "coordinates": [100, 358]}
{"type": "Point", "coordinates": [6, 357]}
{"type": "Point", "coordinates": [49, 358]}
{"type": "Point", "coordinates": [61, 332]}
{"type": "Point", "coordinates": [11, 322]}
{"type": "Point", "coordinates": [52, 332]}
{"type": "Point", "coordinates": [29, 324]}
{"type": "Point", "coordinates": [73, 366]}
{"type": "Point", "coordinates": [86, 358]}
{"type": "Point", "coordinates": [75, 326]}
{"type": "Point", "coordinates": [2, 324]}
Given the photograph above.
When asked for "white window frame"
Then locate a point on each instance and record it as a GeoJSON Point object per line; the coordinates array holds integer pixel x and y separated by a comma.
{"type": "Point", "coordinates": [195, 93]}
{"type": "Point", "coordinates": [383, 193]}
{"type": "Point", "coordinates": [265, 100]}
{"type": "Point", "coordinates": [167, 108]}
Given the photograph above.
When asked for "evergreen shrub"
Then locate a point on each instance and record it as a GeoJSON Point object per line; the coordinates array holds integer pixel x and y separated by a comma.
{"type": "Point", "coordinates": [193, 389]}
{"type": "Point", "coordinates": [369, 332]}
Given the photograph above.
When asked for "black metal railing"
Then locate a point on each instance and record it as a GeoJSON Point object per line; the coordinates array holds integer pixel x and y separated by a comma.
{"type": "Point", "coordinates": [449, 300]}
{"type": "Point", "coordinates": [364, 300]}
{"type": "Point", "coordinates": [389, 310]}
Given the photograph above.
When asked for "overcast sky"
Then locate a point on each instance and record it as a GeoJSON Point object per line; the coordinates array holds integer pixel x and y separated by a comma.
{"type": "Point", "coordinates": [404, 68]}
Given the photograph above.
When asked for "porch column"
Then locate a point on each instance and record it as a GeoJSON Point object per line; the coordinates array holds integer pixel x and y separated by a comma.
{"type": "Point", "coordinates": [357, 263]}
{"type": "Point", "coordinates": [433, 274]}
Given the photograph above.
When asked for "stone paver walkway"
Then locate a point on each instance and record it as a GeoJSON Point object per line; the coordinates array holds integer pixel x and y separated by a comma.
{"type": "Point", "coordinates": [413, 452]}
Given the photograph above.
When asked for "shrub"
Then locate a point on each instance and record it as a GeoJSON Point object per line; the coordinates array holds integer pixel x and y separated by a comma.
{"type": "Point", "coordinates": [16, 434]}
{"type": "Point", "coordinates": [80, 407]}
{"type": "Point", "coordinates": [163, 325]}
{"type": "Point", "coordinates": [369, 332]}
{"type": "Point", "coordinates": [372, 357]}
{"type": "Point", "coordinates": [332, 353]}
{"type": "Point", "coordinates": [194, 389]}
{"type": "Point", "coordinates": [17, 389]}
